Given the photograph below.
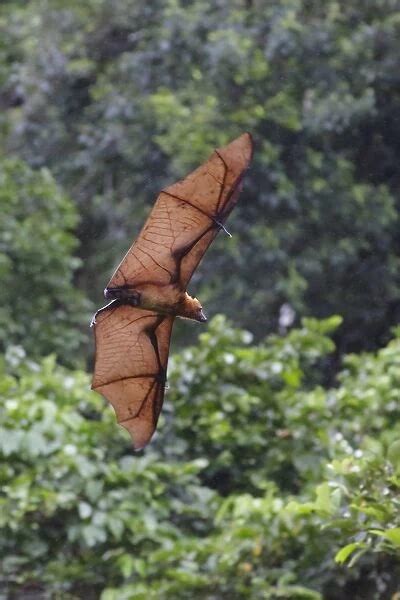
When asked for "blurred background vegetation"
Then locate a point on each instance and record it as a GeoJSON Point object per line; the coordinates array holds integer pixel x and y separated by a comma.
{"type": "Point", "coordinates": [275, 472]}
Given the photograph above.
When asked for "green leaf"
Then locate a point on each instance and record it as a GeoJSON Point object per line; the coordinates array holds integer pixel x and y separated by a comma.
{"type": "Point", "coordinates": [344, 553]}
{"type": "Point", "coordinates": [126, 564]}
{"type": "Point", "coordinates": [393, 535]}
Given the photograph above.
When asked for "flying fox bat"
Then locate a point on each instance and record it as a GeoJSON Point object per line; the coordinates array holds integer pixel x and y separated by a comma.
{"type": "Point", "coordinates": [148, 289]}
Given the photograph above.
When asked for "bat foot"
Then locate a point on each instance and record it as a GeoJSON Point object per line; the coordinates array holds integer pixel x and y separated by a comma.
{"type": "Point", "coordinates": [125, 295]}
{"type": "Point", "coordinates": [113, 293]}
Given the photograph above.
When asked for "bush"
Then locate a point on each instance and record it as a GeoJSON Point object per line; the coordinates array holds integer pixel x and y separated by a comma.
{"type": "Point", "coordinates": [257, 478]}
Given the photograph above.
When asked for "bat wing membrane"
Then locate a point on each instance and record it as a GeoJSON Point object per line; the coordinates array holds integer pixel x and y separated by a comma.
{"type": "Point", "coordinates": [132, 348]}
{"type": "Point", "coordinates": [185, 219]}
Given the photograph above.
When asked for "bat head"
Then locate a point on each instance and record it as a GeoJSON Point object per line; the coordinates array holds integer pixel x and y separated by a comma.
{"type": "Point", "coordinates": [192, 309]}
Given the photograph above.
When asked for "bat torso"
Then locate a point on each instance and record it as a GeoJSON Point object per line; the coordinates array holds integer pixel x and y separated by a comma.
{"type": "Point", "coordinates": [165, 300]}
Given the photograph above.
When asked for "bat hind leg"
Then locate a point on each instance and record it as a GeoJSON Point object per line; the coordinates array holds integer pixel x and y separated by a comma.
{"type": "Point", "coordinates": [120, 296]}
{"type": "Point", "coordinates": [133, 299]}
{"type": "Point", "coordinates": [124, 294]}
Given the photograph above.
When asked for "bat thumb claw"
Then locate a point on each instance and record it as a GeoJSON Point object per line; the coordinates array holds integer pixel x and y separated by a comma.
{"type": "Point", "coordinates": [224, 229]}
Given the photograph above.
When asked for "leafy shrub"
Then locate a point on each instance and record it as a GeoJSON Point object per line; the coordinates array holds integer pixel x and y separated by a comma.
{"type": "Point", "coordinates": [79, 511]}
{"type": "Point", "coordinates": [257, 478]}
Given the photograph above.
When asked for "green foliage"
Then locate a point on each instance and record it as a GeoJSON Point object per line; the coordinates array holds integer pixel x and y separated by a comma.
{"type": "Point", "coordinates": [270, 476]}
{"type": "Point", "coordinates": [121, 97]}
{"type": "Point", "coordinates": [244, 405]}
{"type": "Point", "coordinates": [257, 481]}
{"type": "Point", "coordinates": [364, 484]}
{"type": "Point", "coordinates": [40, 309]}
{"type": "Point", "coordinates": [68, 471]}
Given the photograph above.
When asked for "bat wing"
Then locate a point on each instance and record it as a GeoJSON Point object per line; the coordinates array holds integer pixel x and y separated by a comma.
{"type": "Point", "coordinates": [132, 348]}
{"type": "Point", "coordinates": [185, 219]}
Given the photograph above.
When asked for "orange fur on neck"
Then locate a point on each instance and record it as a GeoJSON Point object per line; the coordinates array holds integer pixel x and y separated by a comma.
{"type": "Point", "coordinates": [190, 307]}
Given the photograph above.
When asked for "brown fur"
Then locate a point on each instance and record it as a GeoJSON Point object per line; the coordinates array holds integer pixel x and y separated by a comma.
{"type": "Point", "coordinates": [190, 308]}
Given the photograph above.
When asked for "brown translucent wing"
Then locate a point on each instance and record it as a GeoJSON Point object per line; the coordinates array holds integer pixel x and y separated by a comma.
{"type": "Point", "coordinates": [132, 348]}
{"type": "Point", "coordinates": [185, 219]}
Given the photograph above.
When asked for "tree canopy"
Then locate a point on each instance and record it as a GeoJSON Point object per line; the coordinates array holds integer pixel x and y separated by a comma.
{"type": "Point", "coordinates": [117, 98]}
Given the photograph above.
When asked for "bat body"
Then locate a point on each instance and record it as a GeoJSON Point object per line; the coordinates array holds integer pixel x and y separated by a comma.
{"type": "Point", "coordinates": [171, 301]}
{"type": "Point", "coordinates": [148, 289]}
